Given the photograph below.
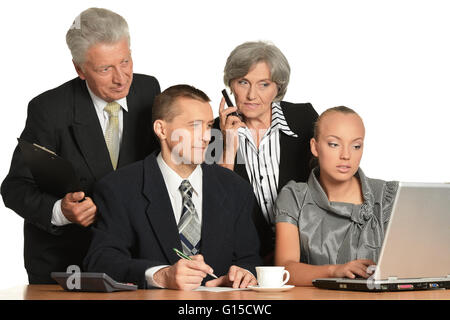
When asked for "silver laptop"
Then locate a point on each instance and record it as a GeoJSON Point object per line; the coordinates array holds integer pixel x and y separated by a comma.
{"type": "Point", "coordinates": [416, 249]}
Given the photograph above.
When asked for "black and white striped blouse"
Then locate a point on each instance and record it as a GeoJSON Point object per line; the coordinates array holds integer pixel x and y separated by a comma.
{"type": "Point", "coordinates": [262, 164]}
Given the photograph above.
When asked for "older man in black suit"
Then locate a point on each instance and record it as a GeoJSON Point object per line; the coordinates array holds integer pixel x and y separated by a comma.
{"type": "Point", "coordinates": [172, 200]}
{"type": "Point", "coordinates": [99, 122]}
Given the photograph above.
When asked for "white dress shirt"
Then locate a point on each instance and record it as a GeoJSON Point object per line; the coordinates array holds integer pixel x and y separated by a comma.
{"type": "Point", "coordinates": [58, 218]}
{"type": "Point", "coordinates": [173, 182]}
{"type": "Point", "coordinates": [262, 164]}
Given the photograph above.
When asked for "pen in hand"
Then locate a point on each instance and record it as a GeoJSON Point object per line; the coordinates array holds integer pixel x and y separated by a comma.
{"type": "Point", "coordinates": [183, 256]}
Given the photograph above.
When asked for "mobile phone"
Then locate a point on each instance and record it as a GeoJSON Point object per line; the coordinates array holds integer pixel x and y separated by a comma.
{"type": "Point", "coordinates": [229, 103]}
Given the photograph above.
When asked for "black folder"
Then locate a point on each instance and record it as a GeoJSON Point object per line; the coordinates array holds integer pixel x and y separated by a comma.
{"type": "Point", "coordinates": [52, 173]}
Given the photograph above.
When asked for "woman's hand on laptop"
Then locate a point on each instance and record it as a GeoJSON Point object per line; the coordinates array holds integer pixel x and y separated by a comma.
{"type": "Point", "coordinates": [351, 269]}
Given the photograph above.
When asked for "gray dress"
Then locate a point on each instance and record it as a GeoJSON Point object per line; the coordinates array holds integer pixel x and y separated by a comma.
{"type": "Point", "coordinates": [337, 232]}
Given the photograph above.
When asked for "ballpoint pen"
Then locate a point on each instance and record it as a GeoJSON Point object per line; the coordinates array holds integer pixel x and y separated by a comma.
{"type": "Point", "coordinates": [183, 256]}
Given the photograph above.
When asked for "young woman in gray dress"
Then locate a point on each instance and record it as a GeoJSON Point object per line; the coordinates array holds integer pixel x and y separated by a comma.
{"type": "Point", "coordinates": [333, 225]}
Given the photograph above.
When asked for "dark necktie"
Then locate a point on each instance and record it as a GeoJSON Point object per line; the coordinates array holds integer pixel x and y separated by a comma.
{"type": "Point", "coordinates": [189, 226]}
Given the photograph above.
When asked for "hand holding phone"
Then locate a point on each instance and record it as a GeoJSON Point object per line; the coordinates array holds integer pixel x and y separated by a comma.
{"type": "Point", "coordinates": [229, 127]}
{"type": "Point", "coordinates": [229, 103]}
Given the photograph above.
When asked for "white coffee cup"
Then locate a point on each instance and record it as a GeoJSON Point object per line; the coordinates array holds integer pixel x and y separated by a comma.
{"type": "Point", "coordinates": [272, 277]}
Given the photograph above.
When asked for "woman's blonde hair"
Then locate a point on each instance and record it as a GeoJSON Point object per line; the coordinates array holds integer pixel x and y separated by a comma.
{"type": "Point", "coordinates": [340, 109]}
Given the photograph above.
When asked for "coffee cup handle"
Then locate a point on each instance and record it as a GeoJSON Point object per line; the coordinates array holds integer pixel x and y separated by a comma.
{"type": "Point", "coordinates": [285, 272]}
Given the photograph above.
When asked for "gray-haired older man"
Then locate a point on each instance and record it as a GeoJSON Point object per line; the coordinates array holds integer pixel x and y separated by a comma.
{"type": "Point", "coordinates": [98, 121]}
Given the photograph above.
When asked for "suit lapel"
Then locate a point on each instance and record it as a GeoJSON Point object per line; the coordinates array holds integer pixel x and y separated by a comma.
{"type": "Point", "coordinates": [286, 143]}
{"type": "Point", "coordinates": [290, 150]}
{"type": "Point", "coordinates": [213, 216]}
{"type": "Point", "coordinates": [128, 140]}
{"type": "Point", "coordinates": [240, 169]}
{"type": "Point", "coordinates": [162, 219]}
{"type": "Point", "coordinates": [88, 133]}
{"type": "Point", "coordinates": [159, 210]}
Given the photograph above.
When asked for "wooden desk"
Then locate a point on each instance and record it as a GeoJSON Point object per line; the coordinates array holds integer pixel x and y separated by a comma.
{"type": "Point", "coordinates": [55, 292]}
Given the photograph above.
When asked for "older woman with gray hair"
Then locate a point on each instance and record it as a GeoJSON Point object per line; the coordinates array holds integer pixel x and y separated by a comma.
{"type": "Point", "coordinates": [98, 121]}
{"type": "Point", "coordinates": [265, 139]}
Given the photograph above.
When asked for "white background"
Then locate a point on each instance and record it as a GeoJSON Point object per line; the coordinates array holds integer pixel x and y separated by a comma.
{"type": "Point", "coordinates": [388, 60]}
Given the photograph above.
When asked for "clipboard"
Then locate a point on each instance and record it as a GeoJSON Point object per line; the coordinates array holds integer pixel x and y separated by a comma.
{"type": "Point", "coordinates": [52, 173]}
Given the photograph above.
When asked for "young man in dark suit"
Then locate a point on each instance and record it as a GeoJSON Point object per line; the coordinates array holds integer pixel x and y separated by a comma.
{"type": "Point", "coordinates": [172, 199]}
{"type": "Point", "coordinates": [98, 122]}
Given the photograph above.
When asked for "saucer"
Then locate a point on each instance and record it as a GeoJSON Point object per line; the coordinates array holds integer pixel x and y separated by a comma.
{"type": "Point", "coordinates": [271, 289]}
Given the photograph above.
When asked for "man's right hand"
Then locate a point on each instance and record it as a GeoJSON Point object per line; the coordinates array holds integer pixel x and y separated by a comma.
{"type": "Point", "coordinates": [82, 213]}
{"type": "Point", "coordinates": [183, 275]}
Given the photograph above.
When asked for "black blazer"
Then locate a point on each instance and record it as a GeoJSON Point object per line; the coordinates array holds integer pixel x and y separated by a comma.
{"type": "Point", "coordinates": [137, 228]}
{"type": "Point", "coordinates": [64, 120]}
{"type": "Point", "coordinates": [295, 158]}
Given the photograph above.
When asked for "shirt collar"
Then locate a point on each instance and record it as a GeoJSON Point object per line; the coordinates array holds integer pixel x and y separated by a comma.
{"type": "Point", "coordinates": [278, 122]}
{"type": "Point", "coordinates": [100, 104]}
{"type": "Point", "coordinates": [173, 180]}
{"type": "Point", "coordinates": [340, 208]}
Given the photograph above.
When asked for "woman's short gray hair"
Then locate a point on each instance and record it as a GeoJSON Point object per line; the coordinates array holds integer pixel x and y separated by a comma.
{"type": "Point", "coordinates": [246, 55]}
{"type": "Point", "coordinates": [92, 26]}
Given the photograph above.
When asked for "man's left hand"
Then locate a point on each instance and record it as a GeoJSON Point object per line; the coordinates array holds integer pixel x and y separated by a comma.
{"type": "Point", "coordinates": [236, 278]}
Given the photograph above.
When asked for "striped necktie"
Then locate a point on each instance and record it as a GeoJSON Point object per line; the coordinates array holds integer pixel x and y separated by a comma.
{"type": "Point", "coordinates": [112, 132]}
{"type": "Point", "coordinates": [189, 225]}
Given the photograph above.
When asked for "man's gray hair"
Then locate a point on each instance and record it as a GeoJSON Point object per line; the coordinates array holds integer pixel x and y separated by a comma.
{"type": "Point", "coordinates": [92, 26]}
{"type": "Point", "coordinates": [246, 55]}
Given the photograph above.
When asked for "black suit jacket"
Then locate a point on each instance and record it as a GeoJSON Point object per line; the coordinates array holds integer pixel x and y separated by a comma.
{"type": "Point", "coordinates": [137, 228]}
{"type": "Point", "coordinates": [64, 120]}
{"type": "Point", "coordinates": [295, 158]}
